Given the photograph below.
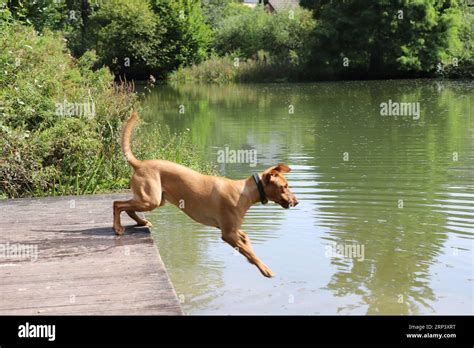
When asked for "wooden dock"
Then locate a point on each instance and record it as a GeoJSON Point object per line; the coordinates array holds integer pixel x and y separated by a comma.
{"type": "Point", "coordinates": [61, 256]}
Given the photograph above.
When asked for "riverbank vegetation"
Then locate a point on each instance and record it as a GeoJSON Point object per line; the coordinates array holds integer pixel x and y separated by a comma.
{"type": "Point", "coordinates": [307, 40]}
{"type": "Point", "coordinates": [60, 119]}
{"type": "Point", "coordinates": [251, 45]}
{"type": "Point", "coordinates": [342, 40]}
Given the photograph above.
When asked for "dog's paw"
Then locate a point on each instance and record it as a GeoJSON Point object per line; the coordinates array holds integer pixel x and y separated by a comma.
{"type": "Point", "coordinates": [267, 272]}
{"type": "Point", "coordinates": [118, 230]}
{"type": "Point", "coordinates": [145, 223]}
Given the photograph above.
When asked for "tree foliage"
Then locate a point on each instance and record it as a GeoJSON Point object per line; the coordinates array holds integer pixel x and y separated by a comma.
{"type": "Point", "coordinates": [328, 38]}
{"type": "Point", "coordinates": [126, 36]}
{"type": "Point", "coordinates": [384, 38]}
{"type": "Point", "coordinates": [187, 36]}
{"type": "Point", "coordinates": [285, 35]}
{"type": "Point", "coordinates": [215, 10]}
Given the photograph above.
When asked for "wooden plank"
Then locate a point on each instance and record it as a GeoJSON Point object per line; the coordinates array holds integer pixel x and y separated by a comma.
{"type": "Point", "coordinates": [69, 261]}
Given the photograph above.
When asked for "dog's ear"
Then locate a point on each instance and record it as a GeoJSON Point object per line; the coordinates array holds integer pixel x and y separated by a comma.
{"type": "Point", "coordinates": [279, 168]}
{"type": "Point", "coordinates": [282, 168]}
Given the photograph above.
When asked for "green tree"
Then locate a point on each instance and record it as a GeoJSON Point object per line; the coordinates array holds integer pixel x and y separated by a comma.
{"type": "Point", "coordinates": [462, 62]}
{"type": "Point", "coordinates": [286, 34]}
{"type": "Point", "coordinates": [126, 35]}
{"type": "Point", "coordinates": [243, 31]}
{"type": "Point", "coordinates": [215, 10]}
{"type": "Point", "coordinates": [40, 13]}
{"type": "Point", "coordinates": [186, 38]}
{"type": "Point", "coordinates": [383, 38]}
{"type": "Point", "coordinates": [69, 16]}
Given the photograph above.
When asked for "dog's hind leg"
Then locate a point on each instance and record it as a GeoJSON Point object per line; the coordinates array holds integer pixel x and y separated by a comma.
{"type": "Point", "coordinates": [139, 220]}
{"type": "Point", "coordinates": [147, 196]}
{"type": "Point", "coordinates": [131, 205]}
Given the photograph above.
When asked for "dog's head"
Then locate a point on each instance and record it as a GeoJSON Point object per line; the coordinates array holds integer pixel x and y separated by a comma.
{"type": "Point", "coordinates": [276, 186]}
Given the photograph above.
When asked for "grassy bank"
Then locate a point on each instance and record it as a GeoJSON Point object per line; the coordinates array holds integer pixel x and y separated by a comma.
{"type": "Point", "coordinates": [228, 69]}
{"type": "Point", "coordinates": [61, 121]}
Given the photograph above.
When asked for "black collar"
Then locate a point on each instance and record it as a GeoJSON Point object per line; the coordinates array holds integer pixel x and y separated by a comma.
{"type": "Point", "coordinates": [261, 190]}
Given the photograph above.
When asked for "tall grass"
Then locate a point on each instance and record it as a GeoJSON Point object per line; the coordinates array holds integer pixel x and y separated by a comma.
{"type": "Point", "coordinates": [228, 70]}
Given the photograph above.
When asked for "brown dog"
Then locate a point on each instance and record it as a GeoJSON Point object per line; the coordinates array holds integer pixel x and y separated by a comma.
{"type": "Point", "coordinates": [210, 200]}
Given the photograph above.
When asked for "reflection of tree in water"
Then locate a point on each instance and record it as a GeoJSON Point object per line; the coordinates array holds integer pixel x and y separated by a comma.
{"type": "Point", "coordinates": [388, 162]}
{"type": "Point", "coordinates": [187, 251]}
{"type": "Point", "coordinates": [210, 112]}
{"type": "Point", "coordinates": [396, 265]}
{"type": "Point", "coordinates": [390, 159]}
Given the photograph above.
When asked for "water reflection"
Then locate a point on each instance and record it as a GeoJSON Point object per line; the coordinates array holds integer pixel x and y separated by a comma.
{"type": "Point", "coordinates": [181, 240]}
{"type": "Point", "coordinates": [383, 197]}
{"type": "Point", "coordinates": [400, 187]}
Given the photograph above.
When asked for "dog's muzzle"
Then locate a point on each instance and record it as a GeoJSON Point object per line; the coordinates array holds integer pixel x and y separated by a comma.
{"type": "Point", "coordinates": [292, 202]}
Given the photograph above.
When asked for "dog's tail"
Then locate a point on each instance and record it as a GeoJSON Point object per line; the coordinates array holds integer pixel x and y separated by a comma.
{"type": "Point", "coordinates": [127, 133]}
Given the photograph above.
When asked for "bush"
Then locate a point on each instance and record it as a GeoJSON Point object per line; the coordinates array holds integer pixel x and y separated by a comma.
{"type": "Point", "coordinates": [21, 170]}
{"type": "Point", "coordinates": [461, 64]}
{"type": "Point", "coordinates": [138, 38]}
{"type": "Point", "coordinates": [215, 10]}
{"type": "Point", "coordinates": [226, 70]}
{"type": "Point", "coordinates": [288, 35]}
{"type": "Point", "coordinates": [135, 38]}
{"type": "Point", "coordinates": [41, 14]}
{"type": "Point", "coordinates": [214, 70]}
{"type": "Point", "coordinates": [242, 31]}
{"type": "Point", "coordinates": [44, 148]}
{"type": "Point", "coordinates": [285, 35]}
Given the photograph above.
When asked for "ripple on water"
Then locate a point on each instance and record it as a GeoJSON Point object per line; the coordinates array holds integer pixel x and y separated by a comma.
{"type": "Point", "coordinates": [388, 184]}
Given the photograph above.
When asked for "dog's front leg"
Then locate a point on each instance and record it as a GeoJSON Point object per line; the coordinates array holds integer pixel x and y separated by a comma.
{"type": "Point", "coordinates": [239, 240]}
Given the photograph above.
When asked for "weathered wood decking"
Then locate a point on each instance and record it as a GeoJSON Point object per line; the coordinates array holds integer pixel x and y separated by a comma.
{"type": "Point", "coordinates": [81, 267]}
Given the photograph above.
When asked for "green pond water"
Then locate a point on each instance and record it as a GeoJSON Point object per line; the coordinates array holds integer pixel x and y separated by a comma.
{"type": "Point", "coordinates": [385, 223]}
